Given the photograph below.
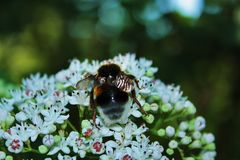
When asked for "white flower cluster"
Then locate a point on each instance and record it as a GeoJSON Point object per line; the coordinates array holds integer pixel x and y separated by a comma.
{"type": "Point", "coordinates": [39, 112]}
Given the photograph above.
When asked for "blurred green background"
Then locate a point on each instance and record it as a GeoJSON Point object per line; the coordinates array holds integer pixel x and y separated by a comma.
{"type": "Point", "coordinates": [195, 44]}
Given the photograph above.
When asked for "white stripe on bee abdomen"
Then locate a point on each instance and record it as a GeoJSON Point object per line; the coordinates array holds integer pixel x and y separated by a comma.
{"type": "Point", "coordinates": [124, 83]}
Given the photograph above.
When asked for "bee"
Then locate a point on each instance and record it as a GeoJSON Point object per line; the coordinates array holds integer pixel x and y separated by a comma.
{"type": "Point", "coordinates": [112, 92]}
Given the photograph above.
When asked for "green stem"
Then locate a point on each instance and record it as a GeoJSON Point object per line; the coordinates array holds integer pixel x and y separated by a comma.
{"type": "Point", "coordinates": [3, 149]}
{"type": "Point", "coordinates": [181, 153]}
{"type": "Point", "coordinates": [71, 125]}
{"type": "Point", "coordinates": [27, 150]}
{"type": "Point", "coordinates": [158, 124]}
{"type": "Point", "coordinates": [81, 114]}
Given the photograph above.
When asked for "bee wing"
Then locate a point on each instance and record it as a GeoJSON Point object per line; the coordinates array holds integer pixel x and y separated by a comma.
{"type": "Point", "coordinates": [85, 83]}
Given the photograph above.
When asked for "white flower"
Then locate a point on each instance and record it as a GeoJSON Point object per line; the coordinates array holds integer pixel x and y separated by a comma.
{"type": "Point", "coordinates": [209, 155]}
{"type": "Point", "coordinates": [80, 97]}
{"type": "Point", "coordinates": [146, 85]}
{"type": "Point", "coordinates": [124, 154]}
{"type": "Point", "coordinates": [140, 148]}
{"type": "Point", "coordinates": [48, 140]}
{"type": "Point", "coordinates": [40, 127]}
{"type": "Point", "coordinates": [129, 131]}
{"type": "Point", "coordinates": [54, 114]}
{"type": "Point", "coordinates": [18, 96]}
{"type": "Point", "coordinates": [76, 72]}
{"type": "Point", "coordinates": [125, 61]}
{"type": "Point", "coordinates": [93, 67]}
{"type": "Point", "coordinates": [6, 105]}
{"type": "Point", "coordinates": [66, 157]}
{"type": "Point", "coordinates": [200, 123]}
{"type": "Point", "coordinates": [208, 137]}
{"type": "Point", "coordinates": [2, 155]}
{"type": "Point", "coordinates": [14, 144]}
{"type": "Point", "coordinates": [61, 146]}
{"type": "Point", "coordinates": [167, 93]}
{"type": "Point", "coordinates": [110, 154]}
{"type": "Point", "coordinates": [97, 147]}
{"type": "Point", "coordinates": [23, 131]}
{"type": "Point", "coordinates": [164, 158]}
{"type": "Point", "coordinates": [103, 130]}
{"type": "Point", "coordinates": [28, 111]}
{"type": "Point", "coordinates": [21, 116]}
{"type": "Point", "coordinates": [157, 150]}
{"type": "Point", "coordinates": [37, 83]}
{"type": "Point", "coordinates": [3, 115]}
{"type": "Point", "coordinates": [134, 110]}
{"type": "Point", "coordinates": [78, 143]}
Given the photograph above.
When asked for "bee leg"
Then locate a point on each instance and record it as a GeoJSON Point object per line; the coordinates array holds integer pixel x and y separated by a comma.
{"type": "Point", "coordinates": [135, 80]}
{"type": "Point", "coordinates": [133, 95]}
{"type": "Point", "coordinates": [137, 83]}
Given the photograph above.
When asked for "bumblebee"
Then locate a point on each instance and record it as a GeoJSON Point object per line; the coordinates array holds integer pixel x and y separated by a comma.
{"type": "Point", "coordinates": [111, 93]}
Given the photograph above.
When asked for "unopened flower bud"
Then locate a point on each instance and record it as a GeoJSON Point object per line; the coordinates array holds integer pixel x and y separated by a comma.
{"type": "Point", "coordinates": [191, 109]}
{"type": "Point", "coordinates": [42, 149]}
{"type": "Point", "coordinates": [57, 138]}
{"type": "Point", "coordinates": [85, 124]}
{"type": "Point", "coordinates": [48, 140]}
{"type": "Point", "coordinates": [9, 121]}
{"type": "Point", "coordinates": [170, 131]}
{"type": "Point", "coordinates": [64, 125]}
{"type": "Point", "coordinates": [154, 107]}
{"type": "Point", "coordinates": [149, 118]}
{"type": "Point", "coordinates": [166, 107]}
{"type": "Point", "coordinates": [146, 107]}
{"type": "Point", "coordinates": [189, 158]}
{"type": "Point", "coordinates": [207, 138]}
{"type": "Point", "coordinates": [9, 158]}
{"type": "Point", "coordinates": [210, 146]}
{"type": "Point", "coordinates": [195, 144]}
{"type": "Point", "coordinates": [183, 126]}
{"type": "Point", "coordinates": [149, 73]}
{"type": "Point", "coordinates": [186, 140]}
{"type": "Point", "coordinates": [196, 135]}
{"type": "Point", "coordinates": [161, 132]}
{"type": "Point", "coordinates": [178, 106]}
{"type": "Point", "coordinates": [170, 151]}
{"type": "Point", "coordinates": [2, 155]}
{"type": "Point", "coordinates": [200, 123]}
{"type": "Point", "coordinates": [173, 144]}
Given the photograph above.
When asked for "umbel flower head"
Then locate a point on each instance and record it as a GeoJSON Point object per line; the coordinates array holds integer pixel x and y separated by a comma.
{"type": "Point", "coordinates": [41, 118]}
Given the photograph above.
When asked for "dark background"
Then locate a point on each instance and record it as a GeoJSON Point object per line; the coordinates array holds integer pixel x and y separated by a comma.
{"type": "Point", "coordinates": [198, 49]}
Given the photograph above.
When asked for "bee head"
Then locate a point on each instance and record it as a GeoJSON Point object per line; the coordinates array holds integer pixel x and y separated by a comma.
{"type": "Point", "coordinates": [108, 72]}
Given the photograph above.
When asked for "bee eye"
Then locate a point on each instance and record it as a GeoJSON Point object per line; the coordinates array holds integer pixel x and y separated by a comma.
{"type": "Point", "coordinates": [102, 80]}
